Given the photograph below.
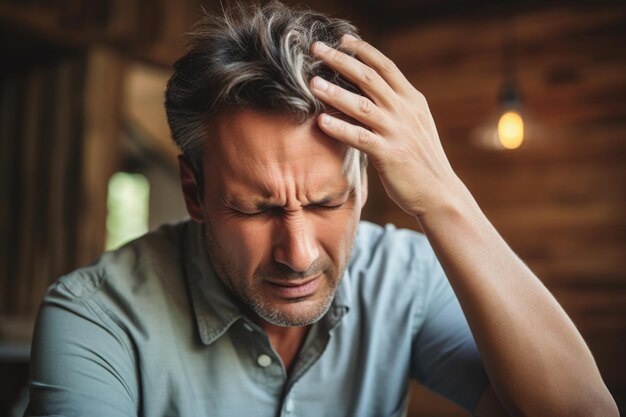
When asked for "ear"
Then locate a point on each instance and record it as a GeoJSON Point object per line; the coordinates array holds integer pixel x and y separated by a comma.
{"type": "Point", "coordinates": [191, 193]}
{"type": "Point", "coordinates": [364, 191]}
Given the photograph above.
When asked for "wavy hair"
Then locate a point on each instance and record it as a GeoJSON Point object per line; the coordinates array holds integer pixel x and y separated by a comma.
{"type": "Point", "coordinates": [250, 56]}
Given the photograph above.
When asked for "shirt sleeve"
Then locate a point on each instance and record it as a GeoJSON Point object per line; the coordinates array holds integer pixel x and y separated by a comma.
{"type": "Point", "coordinates": [80, 366]}
{"type": "Point", "coordinates": [445, 357]}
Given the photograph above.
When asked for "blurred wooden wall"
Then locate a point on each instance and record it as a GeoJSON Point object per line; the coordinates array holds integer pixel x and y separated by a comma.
{"type": "Point", "coordinates": [59, 143]}
{"type": "Point", "coordinates": [62, 73]}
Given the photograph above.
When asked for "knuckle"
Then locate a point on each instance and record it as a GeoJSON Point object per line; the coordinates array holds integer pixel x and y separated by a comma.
{"type": "Point", "coordinates": [339, 56]}
{"type": "Point", "coordinates": [341, 128]}
{"type": "Point", "coordinates": [389, 65]}
{"type": "Point", "coordinates": [369, 48]}
{"type": "Point", "coordinates": [356, 43]}
{"type": "Point", "coordinates": [363, 137]}
{"type": "Point", "coordinates": [369, 76]}
{"type": "Point", "coordinates": [420, 97]}
{"type": "Point", "coordinates": [365, 105]}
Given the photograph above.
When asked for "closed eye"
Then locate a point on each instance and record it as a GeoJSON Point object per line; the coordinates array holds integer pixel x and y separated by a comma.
{"type": "Point", "coordinates": [325, 206]}
{"type": "Point", "coordinates": [276, 210]}
{"type": "Point", "coordinates": [254, 214]}
{"type": "Point", "coordinates": [257, 214]}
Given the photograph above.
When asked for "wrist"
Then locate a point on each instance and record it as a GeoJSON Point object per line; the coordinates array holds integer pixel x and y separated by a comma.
{"type": "Point", "coordinates": [453, 205]}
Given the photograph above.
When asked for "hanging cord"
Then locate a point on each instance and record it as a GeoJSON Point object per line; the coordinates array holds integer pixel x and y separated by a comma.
{"type": "Point", "coordinates": [509, 95]}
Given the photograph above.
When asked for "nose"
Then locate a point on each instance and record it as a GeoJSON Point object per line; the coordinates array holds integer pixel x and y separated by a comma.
{"type": "Point", "coordinates": [296, 245]}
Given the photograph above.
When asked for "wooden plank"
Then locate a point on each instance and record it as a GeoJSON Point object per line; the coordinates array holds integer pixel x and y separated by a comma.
{"type": "Point", "coordinates": [542, 217]}
{"type": "Point", "coordinates": [143, 108]}
{"type": "Point", "coordinates": [595, 303]}
{"type": "Point", "coordinates": [101, 148]}
{"type": "Point", "coordinates": [128, 31]}
{"type": "Point", "coordinates": [560, 185]}
{"type": "Point", "coordinates": [575, 144]}
{"type": "Point", "coordinates": [445, 44]}
{"type": "Point", "coordinates": [9, 164]}
{"type": "Point", "coordinates": [27, 194]}
{"type": "Point", "coordinates": [588, 272]}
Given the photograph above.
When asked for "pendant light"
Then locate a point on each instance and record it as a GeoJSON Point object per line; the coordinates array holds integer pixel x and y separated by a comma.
{"type": "Point", "coordinates": [510, 128]}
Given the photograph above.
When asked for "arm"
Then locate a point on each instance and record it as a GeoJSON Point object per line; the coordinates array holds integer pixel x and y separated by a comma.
{"type": "Point", "coordinates": [79, 367]}
{"type": "Point", "coordinates": [489, 405]}
{"type": "Point", "coordinates": [537, 362]}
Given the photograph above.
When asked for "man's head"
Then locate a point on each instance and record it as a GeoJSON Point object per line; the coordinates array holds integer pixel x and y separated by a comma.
{"type": "Point", "coordinates": [252, 57]}
{"type": "Point", "coordinates": [279, 200]}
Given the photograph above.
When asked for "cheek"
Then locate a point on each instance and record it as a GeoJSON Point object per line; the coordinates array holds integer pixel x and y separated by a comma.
{"type": "Point", "coordinates": [246, 243]}
{"type": "Point", "coordinates": [336, 234]}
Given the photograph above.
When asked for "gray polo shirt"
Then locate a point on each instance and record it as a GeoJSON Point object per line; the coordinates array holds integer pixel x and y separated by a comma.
{"type": "Point", "coordinates": [150, 330]}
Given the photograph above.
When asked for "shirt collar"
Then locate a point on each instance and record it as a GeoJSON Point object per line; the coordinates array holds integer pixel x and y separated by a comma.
{"type": "Point", "coordinates": [214, 305]}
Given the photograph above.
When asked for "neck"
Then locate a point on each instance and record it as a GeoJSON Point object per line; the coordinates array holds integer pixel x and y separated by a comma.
{"type": "Point", "coordinates": [287, 341]}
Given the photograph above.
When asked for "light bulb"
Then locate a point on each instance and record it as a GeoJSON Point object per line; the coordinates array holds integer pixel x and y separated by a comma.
{"type": "Point", "coordinates": [511, 130]}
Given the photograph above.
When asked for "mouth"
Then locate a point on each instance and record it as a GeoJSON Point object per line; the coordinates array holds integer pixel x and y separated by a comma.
{"type": "Point", "coordinates": [295, 289]}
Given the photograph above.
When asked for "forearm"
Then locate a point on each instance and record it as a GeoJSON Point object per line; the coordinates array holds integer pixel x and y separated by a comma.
{"type": "Point", "coordinates": [536, 359]}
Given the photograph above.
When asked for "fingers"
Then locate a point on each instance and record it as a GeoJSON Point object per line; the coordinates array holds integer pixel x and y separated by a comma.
{"type": "Point", "coordinates": [384, 87]}
{"type": "Point", "coordinates": [375, 59]}
{"type": "Point", "coordinates": [356, 136]}
{"type": "Point", "coordinates": [363, 76]}
{"type": "Point", "coordinates": [356, 106]}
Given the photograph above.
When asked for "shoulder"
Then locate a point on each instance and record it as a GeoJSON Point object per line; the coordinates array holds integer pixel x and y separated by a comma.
{"type": "Point", "coordinates": [391, 265]}
{"type": "Point", "coordinates": [390, 247]}
{"type": "Point", "coordinates": [125, 282]}
{"type": "Point", "coordinates": [97, 325]}
{"type": "Point", "coordinates": [127, 265]}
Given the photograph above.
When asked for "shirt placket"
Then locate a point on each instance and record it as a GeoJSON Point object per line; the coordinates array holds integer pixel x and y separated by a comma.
{"type": "Point", "coordinates": [313, 348]}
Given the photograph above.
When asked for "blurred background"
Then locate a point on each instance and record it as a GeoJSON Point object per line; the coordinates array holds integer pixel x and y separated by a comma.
{"type": "Point", "coordinates": [529, 98]}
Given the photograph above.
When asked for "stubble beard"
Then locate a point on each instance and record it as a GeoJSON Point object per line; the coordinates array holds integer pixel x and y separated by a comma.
{"type": "Point", "coordinates": [246, 292]}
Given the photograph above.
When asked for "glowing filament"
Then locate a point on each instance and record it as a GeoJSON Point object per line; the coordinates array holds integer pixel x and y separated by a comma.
{"type": "Point", "coordinates": [511, 130]}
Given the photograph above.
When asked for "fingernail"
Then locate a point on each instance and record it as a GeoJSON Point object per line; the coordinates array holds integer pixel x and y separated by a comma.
{"type": "Point", "coordinates": [321, 47]}
{"type": "Point", "coordinates": [348, 37]}
{"type": "Point", "coordinates": [320, 83]}
{"type": "Point", "coordinates": [326, 119]}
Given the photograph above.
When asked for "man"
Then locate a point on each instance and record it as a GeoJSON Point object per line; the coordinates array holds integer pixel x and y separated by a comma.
{"type": "Point", "coordinates": [274, 299]}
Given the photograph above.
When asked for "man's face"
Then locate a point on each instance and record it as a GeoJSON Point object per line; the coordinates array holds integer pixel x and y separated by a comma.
{"type": "Point", "coordinates": [280, 208]}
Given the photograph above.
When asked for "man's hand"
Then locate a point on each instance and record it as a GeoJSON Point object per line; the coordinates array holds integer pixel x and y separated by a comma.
{"type": "Point", "coordinates": [398, 132]}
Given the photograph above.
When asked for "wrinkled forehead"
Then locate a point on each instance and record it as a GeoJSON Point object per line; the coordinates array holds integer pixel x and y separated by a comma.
{"type": "Point", "coordinates": [249, 146]}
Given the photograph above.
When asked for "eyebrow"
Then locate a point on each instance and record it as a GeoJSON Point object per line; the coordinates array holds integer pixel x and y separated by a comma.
{"type": "Point", "coordinates": [261, 205]}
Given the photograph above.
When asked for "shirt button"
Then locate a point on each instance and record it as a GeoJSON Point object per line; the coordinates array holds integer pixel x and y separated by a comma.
{"type": "Point", "coordinates": [289, 406]}
{"type": "Point", "coordinates": [264, 361]}
{"type": "Point", "coordinates": [247, 327]}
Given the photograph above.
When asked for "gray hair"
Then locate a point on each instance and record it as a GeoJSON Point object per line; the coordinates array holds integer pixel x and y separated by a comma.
{"type": "Point", "coordinates": [252, 56]}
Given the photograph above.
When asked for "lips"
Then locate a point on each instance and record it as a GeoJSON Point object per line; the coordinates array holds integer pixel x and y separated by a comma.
{"type": "Point", "coordinates": [295, 289]}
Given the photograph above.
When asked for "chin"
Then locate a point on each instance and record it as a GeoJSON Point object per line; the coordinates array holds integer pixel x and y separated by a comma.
{"type": "Point", "coordinates": [293, 312]}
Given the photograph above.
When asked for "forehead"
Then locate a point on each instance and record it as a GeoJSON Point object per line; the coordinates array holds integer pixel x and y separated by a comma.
{"type": "Point", "coordinates": [248, 149]}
